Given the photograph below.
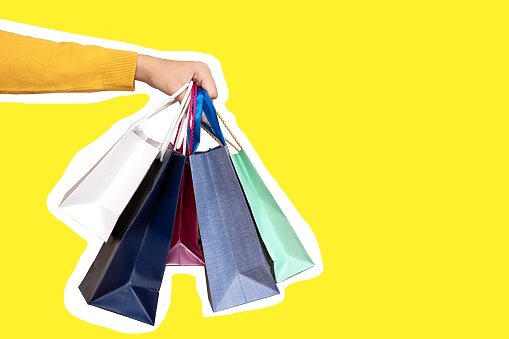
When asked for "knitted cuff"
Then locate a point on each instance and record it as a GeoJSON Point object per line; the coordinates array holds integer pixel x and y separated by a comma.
{"type": "Point", "coordinates": [119, 70]}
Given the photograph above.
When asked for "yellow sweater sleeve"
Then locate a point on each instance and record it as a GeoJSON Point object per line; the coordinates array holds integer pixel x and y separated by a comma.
{"type": "Point", "coordinates": [30, 65]}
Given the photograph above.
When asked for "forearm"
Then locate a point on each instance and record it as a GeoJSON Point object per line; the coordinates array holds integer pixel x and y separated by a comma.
{"type": "Point", "coordinates": [30, 65]}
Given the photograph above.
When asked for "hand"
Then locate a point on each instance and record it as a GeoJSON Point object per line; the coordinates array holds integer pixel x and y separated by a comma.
{"type": "Point", "coordinates": [169, 76]}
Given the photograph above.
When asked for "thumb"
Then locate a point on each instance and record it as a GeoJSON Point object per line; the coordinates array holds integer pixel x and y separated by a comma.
{"type": "Point", "coordinates": [203, 78]}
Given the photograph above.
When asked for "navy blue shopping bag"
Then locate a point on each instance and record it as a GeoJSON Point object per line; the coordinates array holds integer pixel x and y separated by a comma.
{"type": "Point", "coordinates": [126, 275]}
{"type": "Point", "coordinates": [236, 268]}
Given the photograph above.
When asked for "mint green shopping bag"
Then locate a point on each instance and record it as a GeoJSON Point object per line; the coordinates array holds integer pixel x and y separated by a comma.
{"type": "Point", "coordinates": [284, 247]}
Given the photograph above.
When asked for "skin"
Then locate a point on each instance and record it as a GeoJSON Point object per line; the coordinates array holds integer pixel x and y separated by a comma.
{"type": "Point", "coordinates": [169, 75]}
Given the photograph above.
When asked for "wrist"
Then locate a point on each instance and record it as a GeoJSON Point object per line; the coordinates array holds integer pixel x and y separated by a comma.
{"type": "Point", "coordinates": [142, 68]}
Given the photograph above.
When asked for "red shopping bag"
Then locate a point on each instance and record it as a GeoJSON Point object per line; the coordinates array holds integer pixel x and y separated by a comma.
{"type": "Point", "coordinates": [185, 248]}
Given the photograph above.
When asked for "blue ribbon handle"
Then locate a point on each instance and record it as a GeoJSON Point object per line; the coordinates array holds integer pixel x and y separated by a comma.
{"type": "Point", "coordinates": [203, 102]}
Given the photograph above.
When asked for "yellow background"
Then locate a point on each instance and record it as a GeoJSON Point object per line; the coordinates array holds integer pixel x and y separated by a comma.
{"type": "Point", "coordinates": [385, 122]}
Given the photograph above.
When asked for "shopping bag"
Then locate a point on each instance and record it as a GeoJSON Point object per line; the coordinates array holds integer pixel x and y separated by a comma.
{"type": "Point", "coordinates": [99, 197]}
{"type": "Point", "coordinates": [236, 269]}
{"type": "Point", "coordinates": [185, 249]}
{"type": "Point", "coordinates": [127, 273]}
{"type": "Point", "coordinates": [206, 127]}
{"type": "Point", "coordinates": [284, 246]}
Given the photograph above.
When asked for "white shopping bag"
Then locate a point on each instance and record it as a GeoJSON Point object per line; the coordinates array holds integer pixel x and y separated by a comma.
{"type": "Point", "coordinates": [99, 197]}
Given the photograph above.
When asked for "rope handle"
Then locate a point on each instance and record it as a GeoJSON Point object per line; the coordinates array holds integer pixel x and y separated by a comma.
{"type": "Point", "coordinates": [189, 115]}
{"type": "Point", "coordinates": [229, 131]}
{"type": "Point", "coordinates": [192, 114]}
{"type": "Point", "coordinates": [216, 139]}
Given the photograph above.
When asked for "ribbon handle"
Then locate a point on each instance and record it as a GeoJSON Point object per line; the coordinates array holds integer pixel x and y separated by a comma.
{"type": "Point", "coordinates": [204, 105]}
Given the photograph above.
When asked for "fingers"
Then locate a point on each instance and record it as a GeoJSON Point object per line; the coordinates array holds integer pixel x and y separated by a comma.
{"type": "Point", "coordinates": [170, 75]}
{"type": "Point", "coordinates": [204, 119]}
{"type": "Point", "coordinates": [203, 78]}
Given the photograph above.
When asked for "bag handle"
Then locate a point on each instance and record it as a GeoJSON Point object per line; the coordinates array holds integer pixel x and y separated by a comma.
{"type": "Point", "coordinates": [184, 130]}
{"type": "Point", "coordinates": [180, 126]}
{"type": "Point", "coordinates": [178, 118]}
{"type": "Point", "coordinates": [206, 127]}
{"type": "Point", "coordinates": [168, 102]}
{"type": "Point", "coordinates": [229, 131]}
{"type": "Point", "coordinates": [175, 146]}
{"type": "Point", "coordinates": [203, 102]}
{"type": "Point", "coordinates": [192, 115]}
{"type": "Point", "coordinates": [180, 138]}
{"type": "Point", "coordinates": [184, 125]}
{"type": "Point", "coordinates": [211, 132]}
{"type": "Point", "coordinates": [190, 121]}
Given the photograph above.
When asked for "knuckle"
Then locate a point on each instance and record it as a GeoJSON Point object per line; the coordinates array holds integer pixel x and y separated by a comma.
{"type": "Point", "coordinates": [201, 65]}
